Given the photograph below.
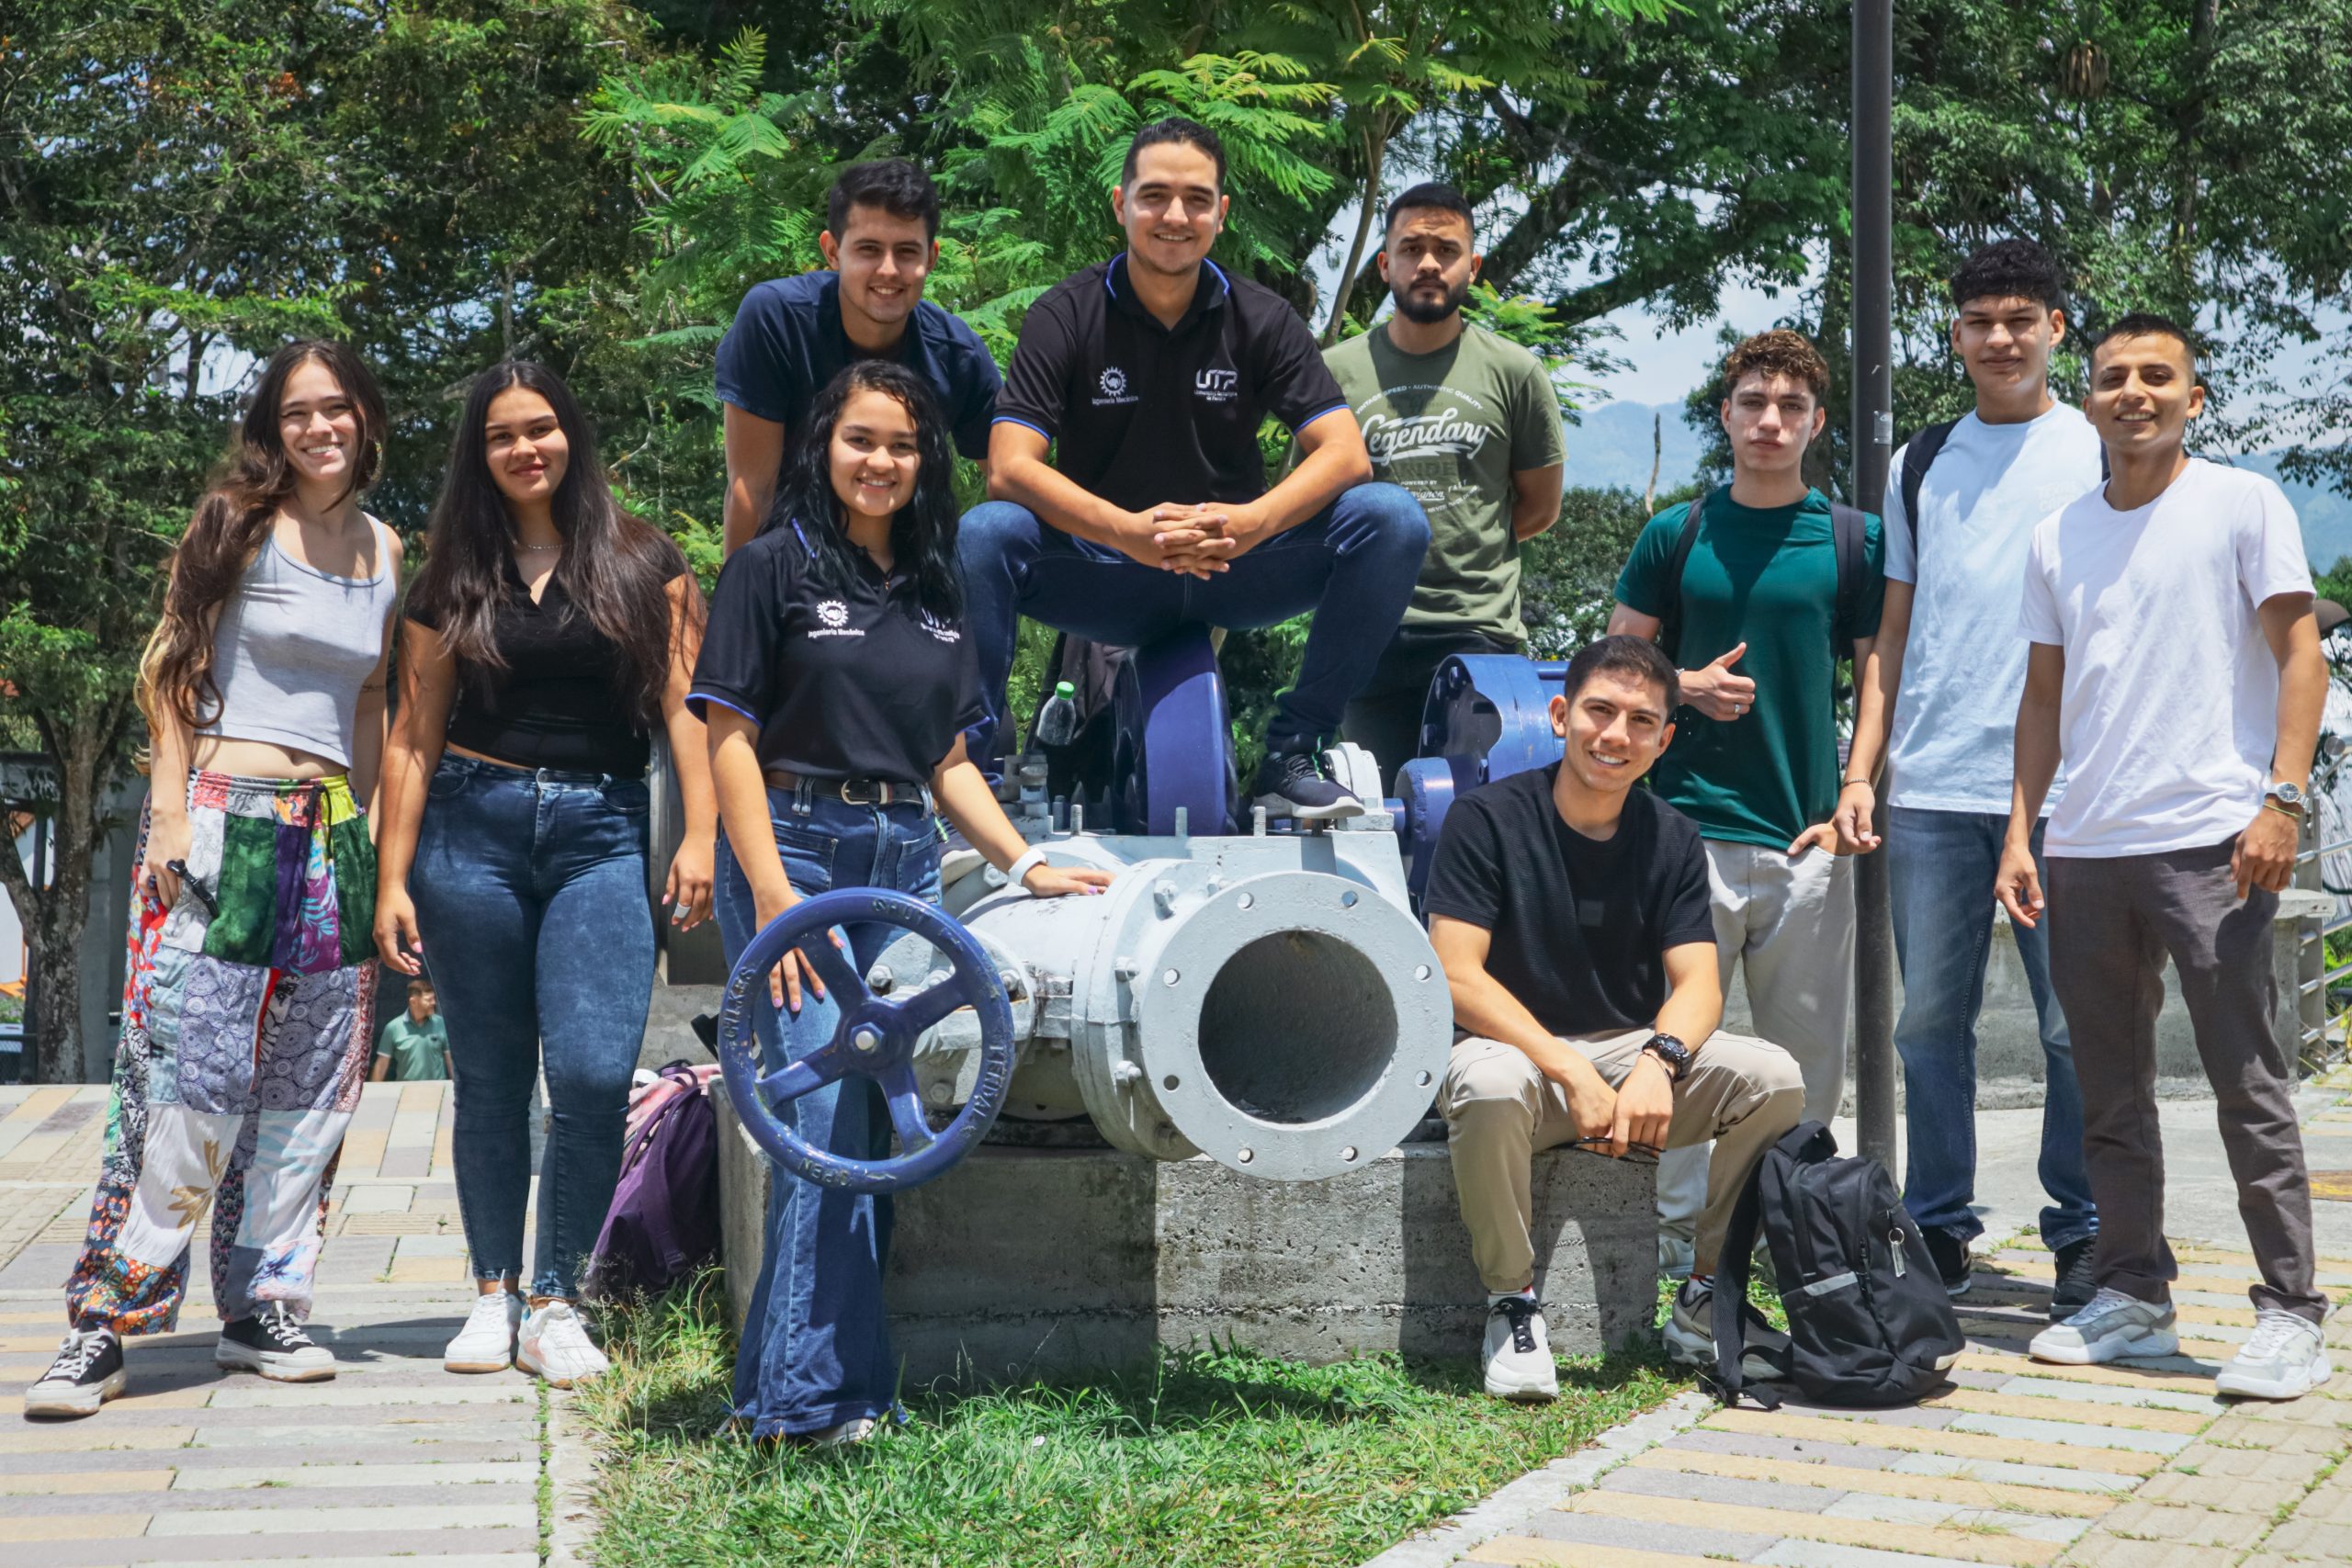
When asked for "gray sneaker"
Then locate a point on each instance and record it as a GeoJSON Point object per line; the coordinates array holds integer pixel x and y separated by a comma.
{"type": "Point", "coordinates": [1518, 1352]}
{"type": "Point", "coordinates": [2112, 1326]}
{"type": "Point", "coordinates": [1690, 1335]}
{"type": "Point", "coordinates": [2285, 1358]}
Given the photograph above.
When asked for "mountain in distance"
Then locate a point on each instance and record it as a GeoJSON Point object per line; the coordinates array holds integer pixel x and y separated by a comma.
{"type": "Point", "coordinates": [1612, 447]}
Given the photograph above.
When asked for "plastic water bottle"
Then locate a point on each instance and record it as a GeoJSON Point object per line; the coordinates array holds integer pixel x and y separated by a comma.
{"type": "Point", "coordinates": [1057, 720]}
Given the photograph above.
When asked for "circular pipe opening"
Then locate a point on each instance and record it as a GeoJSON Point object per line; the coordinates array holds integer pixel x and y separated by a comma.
{"type": "Point", "coordinates": [1298, 1027]}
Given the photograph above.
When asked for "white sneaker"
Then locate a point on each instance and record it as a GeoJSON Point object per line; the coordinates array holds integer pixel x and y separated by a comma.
{"type": "Point", "coordinates": [554, 1345]}
{"type": "Point", "coordinates": [486, 1344]}
{"type": "Point", "coordinates": [2111, 1326]}
{"type": "Point", "coordinates": [1519, 1351]}
{"type": "Point", "coordinates": [2284, 1358]}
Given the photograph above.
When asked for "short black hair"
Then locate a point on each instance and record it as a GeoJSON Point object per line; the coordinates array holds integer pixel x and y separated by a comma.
{"type": "Point", "coordinates": [1434, 196]}
{"type": "Point", "coordinates": [894, 185]}
{"type": "Point", "coordinates": [2010, 269]}
{"type": "Point", "coordinates": [1636, 656]}
{"type": "Point", "coordinates": [2148, 323]}
{"type": "Point", "coordinates": [1176, 129]}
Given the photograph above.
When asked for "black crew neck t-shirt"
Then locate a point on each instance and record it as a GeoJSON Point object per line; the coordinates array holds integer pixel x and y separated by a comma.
{"type": "Point", "coordinates": [1140, 414]}
{"type": "Point", "coordinates": [1581, 926]}
{"type": "Point", "coordinates": [559, 702]}
{"type": "Point", "coordinates": [845, 681]}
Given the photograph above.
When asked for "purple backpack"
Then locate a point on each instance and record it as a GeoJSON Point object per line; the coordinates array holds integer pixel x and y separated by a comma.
{"type": "Point", "coordinates": [663, 1223]}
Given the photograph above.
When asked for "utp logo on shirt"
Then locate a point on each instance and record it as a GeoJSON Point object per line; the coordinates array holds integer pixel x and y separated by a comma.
{"type": "Point", "coordinates": [1114, 384]}
{"type": "Point", "coordinates": [833, 616]}
{"type": "Point", "coordinates": [1216, 386]}
{"type": "Point", "coordinates": [941, 630]}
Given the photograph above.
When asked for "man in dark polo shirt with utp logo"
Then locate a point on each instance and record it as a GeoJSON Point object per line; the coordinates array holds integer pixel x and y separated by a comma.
{"type": "Point", "coordinates": [1149, 376]}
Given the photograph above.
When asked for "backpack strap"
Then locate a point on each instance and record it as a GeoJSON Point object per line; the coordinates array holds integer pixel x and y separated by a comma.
{"type": "Point", "coordinates": [1729, 1380]}
{"type": "Point", "coordinates": [1849, 532]}
{"type": "Point", "coordinates": [1669, 620]}
{"type": "Point", "coordinates": [1918, 454]}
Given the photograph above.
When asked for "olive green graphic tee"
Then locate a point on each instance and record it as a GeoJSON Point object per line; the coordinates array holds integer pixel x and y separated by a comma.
{"type": "Point", "coordinates": [1451, 427]}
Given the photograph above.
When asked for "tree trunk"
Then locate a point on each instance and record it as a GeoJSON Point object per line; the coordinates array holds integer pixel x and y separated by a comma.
{"type": "Point", "coordinates": [1376, 152]}
{"type": "Point", "coordinates": [81, 750]}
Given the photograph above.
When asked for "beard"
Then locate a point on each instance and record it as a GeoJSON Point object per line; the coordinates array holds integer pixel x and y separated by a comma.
{"type": "Point", "coordinates": [1426, 311]}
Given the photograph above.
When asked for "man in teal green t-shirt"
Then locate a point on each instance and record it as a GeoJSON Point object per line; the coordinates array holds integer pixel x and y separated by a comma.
{"type": "Point", "coordinates": [414, 1046]}
{"type": "Point", "coordinates": [1755, 760]}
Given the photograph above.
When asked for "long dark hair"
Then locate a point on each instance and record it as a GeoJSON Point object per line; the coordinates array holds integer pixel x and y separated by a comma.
{"type": "Point", "coordinates": [922, 533]}
{"type": "Point", "coordinates": [613, 568]}
{"type": "Point", "coordinates": [230, 522]}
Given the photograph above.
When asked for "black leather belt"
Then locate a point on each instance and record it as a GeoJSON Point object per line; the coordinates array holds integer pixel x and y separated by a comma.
{"type": "Point", "coordinates": [852, 792]}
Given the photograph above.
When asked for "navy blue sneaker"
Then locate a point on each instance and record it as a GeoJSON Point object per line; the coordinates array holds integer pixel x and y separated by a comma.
{"type": "Point", "coordinates": [1291, 783]}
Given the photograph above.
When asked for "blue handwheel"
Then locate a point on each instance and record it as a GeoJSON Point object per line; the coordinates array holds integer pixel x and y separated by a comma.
{"type": "Point", "coordinates": [875, 1040]}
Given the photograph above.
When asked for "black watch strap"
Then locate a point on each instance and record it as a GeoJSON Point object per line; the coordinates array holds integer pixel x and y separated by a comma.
{"type": "Point", "coordinates": [1673, 1053]}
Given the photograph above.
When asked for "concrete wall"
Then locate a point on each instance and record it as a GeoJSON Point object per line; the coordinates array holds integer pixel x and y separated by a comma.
{"type": "Point", "coordinates": [1054, 1263]}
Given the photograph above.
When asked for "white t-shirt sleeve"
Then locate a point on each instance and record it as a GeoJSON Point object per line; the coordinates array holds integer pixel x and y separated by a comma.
{"type": "Point", "coordinates": [2270, 544]}
{"type": "Point", "coordinates": [2038, 617]}
{"type": "Point", "coordinates": [1902, 555]}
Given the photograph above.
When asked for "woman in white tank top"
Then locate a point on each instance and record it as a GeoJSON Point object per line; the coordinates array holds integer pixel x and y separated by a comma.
{"type": "Point", "coordinates": [247, 1021]}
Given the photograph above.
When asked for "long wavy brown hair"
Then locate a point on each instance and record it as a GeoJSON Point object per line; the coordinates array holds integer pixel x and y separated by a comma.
{"type": "Point", "coordinates": [233, 521]}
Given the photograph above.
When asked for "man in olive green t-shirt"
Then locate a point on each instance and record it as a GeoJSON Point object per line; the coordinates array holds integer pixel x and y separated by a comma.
{"type": "Point", "coordinates": [413, 1047]}
{"type": "Point", "coordinates": [1470, 424]}
{"type": "Point", "coordinates": [1755, 760]}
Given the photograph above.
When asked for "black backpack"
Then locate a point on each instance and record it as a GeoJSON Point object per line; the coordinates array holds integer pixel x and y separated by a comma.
{"type": "Point", "coordinates": [1847, 531]}
{"type": "Point", "coordinates": [1919, 453]}
{"type": "Point", "coordinates": [1869, 1322]}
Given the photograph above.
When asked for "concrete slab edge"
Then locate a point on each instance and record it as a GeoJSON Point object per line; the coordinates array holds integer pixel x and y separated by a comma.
{"type": "Point", "coordinates": [1538, 1493]}
{"type": "Point", "coordinates": [572, 1480]}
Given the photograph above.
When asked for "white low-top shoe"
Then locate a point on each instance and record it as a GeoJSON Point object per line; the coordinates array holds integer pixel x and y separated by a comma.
{"type": "Point", "coordinates": [2285, 1358]}
{"type": "Point", "coordinates": [554, 1345]}
{"type": "Point", "coordinates": [1519, 1351]}
{"type": "Point", "coordinates": [2112, 1326]}
{"type": "Point", "coordinates": [486, 1344]}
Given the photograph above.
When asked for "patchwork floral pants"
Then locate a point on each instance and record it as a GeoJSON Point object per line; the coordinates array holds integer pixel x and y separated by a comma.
{"type": "Point", "coordinates": [247, 1022]}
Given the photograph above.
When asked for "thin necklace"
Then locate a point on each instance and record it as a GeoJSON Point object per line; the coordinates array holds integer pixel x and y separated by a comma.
{"type": "Point", "coordinates": [534, 549]}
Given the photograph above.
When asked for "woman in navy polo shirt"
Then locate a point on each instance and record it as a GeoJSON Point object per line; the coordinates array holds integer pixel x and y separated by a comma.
{"type": "Point", "coordinates": [837, 680]}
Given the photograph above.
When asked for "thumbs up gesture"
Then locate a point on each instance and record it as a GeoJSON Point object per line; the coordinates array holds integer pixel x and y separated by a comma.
{"type": "Point", "coordinates": [1718, 693]}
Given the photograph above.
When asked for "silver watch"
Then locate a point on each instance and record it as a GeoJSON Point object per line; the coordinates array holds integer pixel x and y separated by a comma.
{"type": "Point", "coordinates": [2290, 797]}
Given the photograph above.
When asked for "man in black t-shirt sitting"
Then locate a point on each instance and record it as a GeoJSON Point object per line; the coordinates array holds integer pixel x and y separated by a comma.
{"type": "Point", "coordinates": [1570, 911]}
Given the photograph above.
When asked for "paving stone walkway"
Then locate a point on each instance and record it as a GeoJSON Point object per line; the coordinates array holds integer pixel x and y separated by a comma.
{"type": "Point", "coordinates": [2021, 1464]}
{"type": "Point", "coordinates": [394, 1461]}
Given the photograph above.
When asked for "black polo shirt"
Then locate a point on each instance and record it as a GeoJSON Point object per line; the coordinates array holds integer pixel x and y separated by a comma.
{"type": "Point", "coordinates": [853, 681]}
{"type": "Point", "coordinates": [1141, 413]}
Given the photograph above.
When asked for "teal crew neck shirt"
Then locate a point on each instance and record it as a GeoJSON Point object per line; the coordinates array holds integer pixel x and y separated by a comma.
{"type": "Point", "coordinates": [1767, 577]}
{"type": "Point", "coordinates": [416, 1048]}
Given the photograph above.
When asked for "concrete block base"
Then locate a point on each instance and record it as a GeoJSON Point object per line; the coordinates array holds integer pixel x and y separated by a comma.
{"type": "Point", "coordinates": [1034, 1263]}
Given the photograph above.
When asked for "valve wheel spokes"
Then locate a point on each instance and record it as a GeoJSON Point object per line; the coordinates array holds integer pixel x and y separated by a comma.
{"type": "Point", "coordinates": [825, 1065]}
{"type": "Point", "coordinates": [844, 986]}
{"type": "Point", "coordinates": [934, 1002]}
{"type": "Point", "coordinates": [906, 1109]}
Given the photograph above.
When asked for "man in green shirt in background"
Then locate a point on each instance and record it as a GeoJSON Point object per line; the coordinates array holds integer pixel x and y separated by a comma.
{"type": "Point", "coordinates": [1469, 424]}
{"type": "Point", "coordinates": [1761, 624]}
{"type": "Point", "coordinates": [413, 1047]}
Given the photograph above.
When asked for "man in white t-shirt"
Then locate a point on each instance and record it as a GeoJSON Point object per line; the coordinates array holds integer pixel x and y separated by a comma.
{"type": "Point", "coordinates": [1948, 666]}
{"type": "Point", "coordinates": [2176, 668]}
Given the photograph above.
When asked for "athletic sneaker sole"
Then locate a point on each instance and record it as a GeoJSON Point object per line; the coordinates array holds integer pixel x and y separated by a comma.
{"type": "Point", "coordinates": [80, 1401]}
{"type": "Point", "coordinates": [234, 1357]}
{"type": "Point", "coordinates": [2107, 1348]}
{"type": "Point", "coordinates": [2245, 1387]}
{"type": "Point", "coordinates": [1524, 1393]}
{"type": "Point", "coordinates": [1681, 1346]}
{"type": "Point", "coordinates": [1339, 811]}
{"type": "Point", "coordinates": [525, 1364]}
{"type": "Point", "coordinates": [449, 1366]}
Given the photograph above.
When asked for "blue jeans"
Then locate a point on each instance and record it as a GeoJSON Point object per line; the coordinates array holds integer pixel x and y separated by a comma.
{"type": "Point", "coordinates": [531, 902]}
{"type": "Point", "coordinates": [816, 1346]}
{"type": "Point", "coordinates": [1359, 557]}
{"type": "Point", "coordinates": [1941, 867]}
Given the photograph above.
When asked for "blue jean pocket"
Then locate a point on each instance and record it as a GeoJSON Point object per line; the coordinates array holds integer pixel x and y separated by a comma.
{"type": "Point", "coordinates": [449, 780]}
{"type": "Point", "coordinates": [807, 855]}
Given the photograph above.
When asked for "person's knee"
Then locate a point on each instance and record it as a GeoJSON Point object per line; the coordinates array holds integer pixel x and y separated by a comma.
{"type": "Point", "coordinates": [1774, 1084]}
{"type": "Point", "coordinates": [1392, 519]}
{"type": "Point", "coordinates": [995, 530]}
{"type": "Point", "coordinates": [1487, 1090]}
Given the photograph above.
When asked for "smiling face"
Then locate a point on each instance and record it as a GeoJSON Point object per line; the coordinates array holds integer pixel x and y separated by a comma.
{"type": "Point", "coordinates": [2004, 344]}
{"type": "Point", "coordinates": [527, 449]}
{"type": "Point", "coordinates": [319, 426]}
{"type": "Point", "coordinates": [1772, 419]}
{"type": "Point", "coordinates": [1428, 262]}
{"type": "Point", "coordinates": [874, 459]}
{"type": "Point", "coordinates": [2144, 393]}
{"type": "Point", "coordinates": [1614, 728]}
{"type": "Point", "coordinates": [1171, 209]}
{"type": "Point", "coordinates": [883, 260]}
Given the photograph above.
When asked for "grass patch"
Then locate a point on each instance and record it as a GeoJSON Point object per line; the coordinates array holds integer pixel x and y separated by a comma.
{"type": "Point", "coordinates": [1214, 1458]}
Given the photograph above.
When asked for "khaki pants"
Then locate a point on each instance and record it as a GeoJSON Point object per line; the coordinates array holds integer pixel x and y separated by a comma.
{"type": "Point", "coordinates": [1789, 926]}
{"type": "Point", "coordinates": [1742, 1093]}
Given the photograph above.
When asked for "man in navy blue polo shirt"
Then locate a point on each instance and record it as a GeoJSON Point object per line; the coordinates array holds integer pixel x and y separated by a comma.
{"type": "Point", "coordinates": [793, 335]}
{"type": "Point", "coordinates": [1150, 375]}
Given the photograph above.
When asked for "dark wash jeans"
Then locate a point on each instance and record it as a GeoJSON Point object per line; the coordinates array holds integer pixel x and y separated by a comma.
{"type": "Point", "coordinates": [531, 901]}
{"type": "Point", "coordinates": [1940, 868]}
{"type": "Point", "coordinates": [816, 1346]}
{"type": "Point", "coordinates": [1354, 563]}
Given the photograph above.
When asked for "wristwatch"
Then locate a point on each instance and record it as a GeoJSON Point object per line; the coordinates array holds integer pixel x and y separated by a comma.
{"type": "Point", "coordinates": [1671, 1051]}
{"type": "Point", "coordinates": [2285, 797]}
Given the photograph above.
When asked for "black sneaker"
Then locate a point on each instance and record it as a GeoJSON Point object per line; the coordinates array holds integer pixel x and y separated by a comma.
{"type": "Point", "coordinates": [273, 1344]}
{"type": "Point", "coordinates": [2076, 1287]}
{"type": "Point", "coordinates": [1291, 783]}
{"type": "Point", "coordinates": [1951, 1254]}
{"type": "Point", "coordinates": [86, 1374]}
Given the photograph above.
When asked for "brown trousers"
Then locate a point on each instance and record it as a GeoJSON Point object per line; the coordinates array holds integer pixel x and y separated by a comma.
{"type": "Point", "coordinates": [2112, 924]}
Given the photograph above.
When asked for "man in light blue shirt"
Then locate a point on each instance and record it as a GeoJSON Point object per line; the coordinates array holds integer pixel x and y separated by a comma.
{"type": "Point", "coordinates": [1949, 664]}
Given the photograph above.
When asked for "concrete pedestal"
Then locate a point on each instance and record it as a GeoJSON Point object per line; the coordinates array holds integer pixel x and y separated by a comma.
{"type": "Point", "coordinates": [1025, 1263]}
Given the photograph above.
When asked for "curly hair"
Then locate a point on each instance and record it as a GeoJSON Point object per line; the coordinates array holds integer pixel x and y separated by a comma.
{"type": "Point", "coordinates": [1778, 353]}
{"type": "Point", "coordinates": [2010, 269]}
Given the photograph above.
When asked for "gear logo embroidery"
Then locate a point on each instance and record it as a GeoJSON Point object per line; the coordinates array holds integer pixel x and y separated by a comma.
{"type": "Point", "coordinates": [833, 613]}
{"type": "Point", "coordinates": [1114, 382]}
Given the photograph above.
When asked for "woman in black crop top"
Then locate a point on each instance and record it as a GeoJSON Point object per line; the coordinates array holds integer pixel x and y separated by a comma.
{"type": "Point", "coordinates": [547, 634]}
{"type": "Point", "coordinates": [836, 680]}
